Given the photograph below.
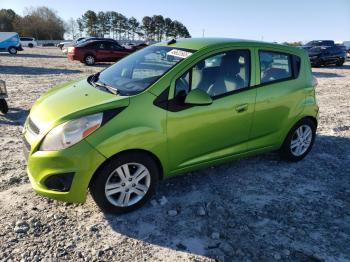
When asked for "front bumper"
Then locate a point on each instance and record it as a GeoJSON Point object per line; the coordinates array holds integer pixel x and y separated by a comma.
{"type": "Point", "coordinates": [81, 159]}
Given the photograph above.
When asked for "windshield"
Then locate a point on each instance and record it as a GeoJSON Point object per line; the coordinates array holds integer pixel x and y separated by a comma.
{"type": "Point", "coordinates": [141, 69]}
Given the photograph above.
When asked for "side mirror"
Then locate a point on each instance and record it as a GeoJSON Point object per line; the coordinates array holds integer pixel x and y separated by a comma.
{"type": "Point", "coordinates": [198, 97]}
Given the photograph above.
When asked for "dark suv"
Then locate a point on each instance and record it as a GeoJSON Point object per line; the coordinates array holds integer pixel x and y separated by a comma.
{"type": "Point", "coordinates": [91, 52]}
{"type": "Point", "coordinates": [325, 55]}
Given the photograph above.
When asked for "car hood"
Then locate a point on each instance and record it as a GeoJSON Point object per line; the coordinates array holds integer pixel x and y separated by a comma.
{"type": "Point", "coordinates": [71, 100]}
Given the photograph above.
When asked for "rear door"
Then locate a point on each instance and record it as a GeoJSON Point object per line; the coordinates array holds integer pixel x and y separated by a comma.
{"type": "Point", "coordinates": [279, 98]}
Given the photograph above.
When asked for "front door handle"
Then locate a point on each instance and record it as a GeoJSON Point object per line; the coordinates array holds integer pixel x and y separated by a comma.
{"type": "Point", "coordinates": [241, 108]}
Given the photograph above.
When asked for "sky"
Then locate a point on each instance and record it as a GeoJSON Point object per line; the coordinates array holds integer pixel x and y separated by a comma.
{"type": "Point", "coordinates": [268, 20]}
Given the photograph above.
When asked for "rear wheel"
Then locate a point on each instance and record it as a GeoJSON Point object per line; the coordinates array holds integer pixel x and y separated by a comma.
{"type": "Point", "coordinates": [12, 50]}
{"type": "Point", "coordinates": [3, 106]}
{"type": "Point", "coordinates": [30, 45]}
{"type": "Point", "coordinates": [125, 183]}
{"type": "Point", "coordinates": [89, 60]}
{"type": "Point", "coordinates": [299, 141]}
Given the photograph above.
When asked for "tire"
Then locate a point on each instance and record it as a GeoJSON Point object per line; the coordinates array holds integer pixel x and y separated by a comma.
{"type": "Point", "coordinates": [12, 50]}
{"type": "Point", "coordinates": [89, 60]}
{"type": "Point", "coordinates": [3, 106]}
{"type": "Point", "coordinates": [317, 64]}
{"type": "Point", "coordinates": [289, 150]}
{"type": "Point", "coordinates": [340, 62]}
{"type": "Point", "coordinates": [30, 45]}
{"type": "Point", "coordinates": [127, 192]}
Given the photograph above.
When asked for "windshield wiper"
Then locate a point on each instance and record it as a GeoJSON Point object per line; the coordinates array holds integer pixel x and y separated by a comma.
{"type": "Point", "coordinates": [106, 87]}
{"type": "Point", "coordinates": [93, 80]}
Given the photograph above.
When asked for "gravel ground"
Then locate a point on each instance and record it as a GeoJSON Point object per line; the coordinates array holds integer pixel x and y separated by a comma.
{"type": "Point", "coordinates": [254, 209]}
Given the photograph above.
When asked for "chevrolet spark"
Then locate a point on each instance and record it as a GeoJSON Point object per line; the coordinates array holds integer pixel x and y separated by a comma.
{"type": "Point", "coordinates": [168, 109]}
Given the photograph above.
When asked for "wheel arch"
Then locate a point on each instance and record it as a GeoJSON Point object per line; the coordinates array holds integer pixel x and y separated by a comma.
{"type": "Point", "coordinates": [287, 131]}
{"type": "Point", "coordinates": [152, 155]}
{"type": "Point", "coordinates": [8, 49]}
{"type": "Point", "coordinates": [313, 119]}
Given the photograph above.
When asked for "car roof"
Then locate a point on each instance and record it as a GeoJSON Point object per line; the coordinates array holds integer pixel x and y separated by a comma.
{"type": "Point", "coordinates": [202, 43]}
{"type": "Point", "coordinates": [99, 41]}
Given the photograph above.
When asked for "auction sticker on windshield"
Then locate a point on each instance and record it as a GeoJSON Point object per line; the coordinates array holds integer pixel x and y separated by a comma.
{"type": "Point", "coordinates": [179, 53]}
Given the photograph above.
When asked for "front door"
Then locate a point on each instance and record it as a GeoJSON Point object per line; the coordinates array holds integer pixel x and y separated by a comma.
{"type": "Point", "coordinates": [198, 134]}
{"type": "Point", "coordinates": [117, 52]}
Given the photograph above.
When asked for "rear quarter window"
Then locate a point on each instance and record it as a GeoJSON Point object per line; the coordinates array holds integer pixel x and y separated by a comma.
{"type": "Point", "coordinates": [277, 66]}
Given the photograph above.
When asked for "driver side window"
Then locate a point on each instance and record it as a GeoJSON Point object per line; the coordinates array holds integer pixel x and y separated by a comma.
{"type": "Point", "coordinates": [217, 75]}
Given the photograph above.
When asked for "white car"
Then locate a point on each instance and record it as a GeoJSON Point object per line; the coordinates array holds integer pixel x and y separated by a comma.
{"type": "Point", "coordinates": [129, 46]}
{"type": "Point", "coordinates": [28, 41]}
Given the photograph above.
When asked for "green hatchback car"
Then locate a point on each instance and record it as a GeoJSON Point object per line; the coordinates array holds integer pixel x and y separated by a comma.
{"type": "Point", "coordinates": [168, 109]}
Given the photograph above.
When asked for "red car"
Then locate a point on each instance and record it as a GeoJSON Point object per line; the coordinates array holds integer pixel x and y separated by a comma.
{"type": "Point", "coordinates": [98, 51]}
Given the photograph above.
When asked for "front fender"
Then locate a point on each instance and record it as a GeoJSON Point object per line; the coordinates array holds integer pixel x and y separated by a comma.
{"type": "Point", "coordinates": [141, 125]}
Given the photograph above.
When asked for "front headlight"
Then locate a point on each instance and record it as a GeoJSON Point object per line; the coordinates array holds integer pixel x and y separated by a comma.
{"type": "Point", "coordinates": [71, 132]}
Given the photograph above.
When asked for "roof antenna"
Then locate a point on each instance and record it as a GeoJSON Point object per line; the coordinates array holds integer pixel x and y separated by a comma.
{"type": "Point", "coordinates": [172, 41]}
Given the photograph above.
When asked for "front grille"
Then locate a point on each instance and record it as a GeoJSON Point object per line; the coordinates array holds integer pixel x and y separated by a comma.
{"type": "Point", "coordinates": [33, 127]}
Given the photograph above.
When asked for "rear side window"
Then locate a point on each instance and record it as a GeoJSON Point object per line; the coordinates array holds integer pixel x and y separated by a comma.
{"type": "Point", "coordinates": [274, 66]}
{"type": "Point", "coordinates": [116, 47]}
{"type": "Point", "coordinates": [296, 65]}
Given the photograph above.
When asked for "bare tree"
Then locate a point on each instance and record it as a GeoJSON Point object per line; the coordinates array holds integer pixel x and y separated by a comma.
{"type": "Point", "coordinates": [42, 23]}
{"type": "Point", "coordinates": [72, 28]}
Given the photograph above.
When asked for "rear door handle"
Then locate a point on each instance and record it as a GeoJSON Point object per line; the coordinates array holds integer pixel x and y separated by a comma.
{"type": "Point", "coordinates": [241, 108]}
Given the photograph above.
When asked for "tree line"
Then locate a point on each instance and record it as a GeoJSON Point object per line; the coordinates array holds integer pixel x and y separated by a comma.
{"type": "Point", "coordinates": [116, 25]}
{"type": "Point", "coordinates": [44, 23]}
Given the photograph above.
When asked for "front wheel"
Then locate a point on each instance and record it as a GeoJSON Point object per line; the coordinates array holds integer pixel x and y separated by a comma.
{"type": "Point", "coordinates": [12, 50]}
{"type": "Point", "coordinates": [125, 183]}
{"type": "Point", "coordinates": [299, 141]}
{"type": "Point", "coordinates": [30, 45]}
{"type": "Point", "coordinates": [3, 106]}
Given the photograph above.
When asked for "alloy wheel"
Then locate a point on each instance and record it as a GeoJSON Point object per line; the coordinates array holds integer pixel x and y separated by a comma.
{"type": "Point", "coordinates": [127, 184]}
{"type": "Point", "coordinates": [301, 140]}
{"type": "Point", "coordinates": [90, 60]}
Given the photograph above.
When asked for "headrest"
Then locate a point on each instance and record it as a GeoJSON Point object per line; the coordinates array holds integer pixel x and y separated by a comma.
{"type": "Point", "coordinates": [200, 65]}
{"type": "Point", "coordinates": [230, 64]}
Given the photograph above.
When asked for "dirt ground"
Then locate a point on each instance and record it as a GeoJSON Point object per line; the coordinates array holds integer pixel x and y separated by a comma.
{"type": "Point", "coordinates": [255, 209]}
